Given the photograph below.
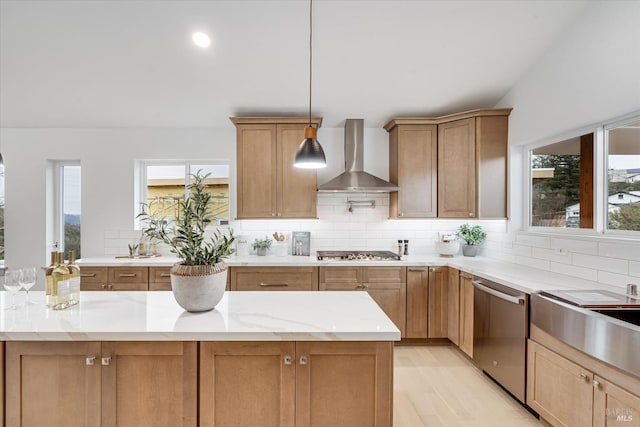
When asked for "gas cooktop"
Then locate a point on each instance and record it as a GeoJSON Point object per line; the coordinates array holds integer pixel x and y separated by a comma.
{"type": "Point", "coordinates": [357, 256]}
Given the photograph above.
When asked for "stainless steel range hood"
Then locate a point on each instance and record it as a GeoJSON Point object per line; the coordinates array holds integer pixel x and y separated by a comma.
{"type": "Point", "coordinates": [355, 178]}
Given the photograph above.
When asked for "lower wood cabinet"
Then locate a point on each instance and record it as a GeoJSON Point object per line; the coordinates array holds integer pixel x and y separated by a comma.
{"type": "Point", "coordinates": [565, 394]}
{"type": "Point", "coordinates": [438, 300]}
{"type": "Point", "coordinates": [101, 384]}
{"type": "Point", "coordinates": [2, 383]}
{"type": "Point", "coordinates": [114, 278]}
{"type": "Point", "coordinates": [386, 285]}
{"type": "Point", "coordinates": [426, 302]}
{"type": "Point", "coordinates": [453, 305]}
{"type": "Point", "coordinates": [159, 278]}
{"type": "Point", "coordinates": [274, 278]}
{"type": "Point", "coordinates": [466, 314]}
{"type": "Point", "coordinates": [246, 384]}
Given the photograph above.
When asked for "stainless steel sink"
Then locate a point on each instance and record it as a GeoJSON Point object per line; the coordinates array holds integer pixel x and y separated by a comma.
{"type": "Point", "coordinates": [611, 335]}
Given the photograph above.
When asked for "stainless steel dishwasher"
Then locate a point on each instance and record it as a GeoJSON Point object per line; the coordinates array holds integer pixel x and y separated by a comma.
{"type": "Point", "coordinates": [500, 333]}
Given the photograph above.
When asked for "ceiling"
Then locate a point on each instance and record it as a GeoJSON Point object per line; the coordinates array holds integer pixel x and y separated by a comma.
{"type": "Point", "coordinates": [132, 63]}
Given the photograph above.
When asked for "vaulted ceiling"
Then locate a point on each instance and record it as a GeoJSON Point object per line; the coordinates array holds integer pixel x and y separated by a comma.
{"type": "Point", "coordinates": [132, 63]}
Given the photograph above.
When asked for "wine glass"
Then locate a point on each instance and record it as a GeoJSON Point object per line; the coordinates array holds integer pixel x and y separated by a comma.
{"type": "Point", "coordinates": [12, 284]}
{"type": "Point", "coordinates": [27, 280]}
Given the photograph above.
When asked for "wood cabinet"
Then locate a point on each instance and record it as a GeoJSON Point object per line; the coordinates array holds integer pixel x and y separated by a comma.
{"type": "Point", "coordinates": [159, 278]}
{"type": "Point", "coordinates": [107, 384]}
{"type": "Point", "coordinates": [453, 305]}
{"type": "Point", "coordinates": [470, 177]}
{"type": "Point", "coordinates": [274, 278]}
{"type": "Point", "coordinates": [386, 285]}
{"type": "Point", "coordinates": [466, 314]}
{"type": "Point", "coordinates": [303, 383]}
{"type": "Point", "coordinates": [268, 185]}
{"type": "Point", "coordinates": [2, 383]}
{"type": "Point", "coordinates": [426, 302]}
{"type": "Point", "coordinates": [114, 278]}
{"type": "Point", "coordinates": [565, 392]}
{"type": "Point", "coordinates": [413, 165]}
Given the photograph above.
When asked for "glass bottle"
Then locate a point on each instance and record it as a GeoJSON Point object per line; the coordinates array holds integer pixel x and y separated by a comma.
{"type": "Point", "coordinates": [74, 281]}
{"type": "Point", "coordinates": [50, 292]}
{"type": "Point", "coordinates": [61, 276]}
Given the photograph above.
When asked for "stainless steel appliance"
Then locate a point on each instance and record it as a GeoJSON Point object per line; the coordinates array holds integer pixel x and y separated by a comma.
{"type": "Point", "coordinates": [595, 298]}
{"type": "Point", "coordinates": [500, 332]}
{"type": "Point", "coordinates": [357, 256]}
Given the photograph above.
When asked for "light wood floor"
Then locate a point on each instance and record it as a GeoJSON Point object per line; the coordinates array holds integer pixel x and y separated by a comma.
{"type": "Point", "coordinates": [437, 386]}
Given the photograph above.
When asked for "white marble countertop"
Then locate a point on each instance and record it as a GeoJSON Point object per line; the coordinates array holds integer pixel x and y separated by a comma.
{"type": "Point", "coordinates": [240, 316]}
{"type": "Point", "coordinates": [523, 278]}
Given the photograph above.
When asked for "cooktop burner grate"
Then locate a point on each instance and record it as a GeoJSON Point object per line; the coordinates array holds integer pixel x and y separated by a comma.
{"type": "Point", "coordinates": [357, 256]}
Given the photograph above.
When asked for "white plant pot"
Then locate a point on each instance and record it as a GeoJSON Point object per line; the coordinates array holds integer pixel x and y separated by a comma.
{"type": "Point", "coordinates": [198, 288]}
{"type": "Point", "coordinates": [470, 250]}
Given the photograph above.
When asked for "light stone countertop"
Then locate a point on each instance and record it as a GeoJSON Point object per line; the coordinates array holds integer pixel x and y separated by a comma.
{"type": "Point", "coordinates": [240, 316]}
{"type": "Point", "coordinates": [523, 278]}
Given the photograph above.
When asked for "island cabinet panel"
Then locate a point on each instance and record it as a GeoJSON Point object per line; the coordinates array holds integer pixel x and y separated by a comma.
{"type": "Point", "coordinates": [114, 278]}
{"type": "Point", "coordinates": [344, 384]}
{"type": "Point", "coordinates": [159, 278]}
{"type": "Point", "coordinates": [94, 278]}
{"type": "Point", "coordinates": [453, 306]}
{"type": "Point", "coordinates": [53, 384]}
{"type": "Point", "coordinates": [274, 278]}
{"type": "Point", "coordinates": [417, 302]}
{"type": "Point", "coordinates": [247, 384]}
{"type": "Point", "coordinates": [466, 314]}
{"type": "Point", "coordinates": [386, 285]}
{"type": "Point", "coordinates": [101, 384]}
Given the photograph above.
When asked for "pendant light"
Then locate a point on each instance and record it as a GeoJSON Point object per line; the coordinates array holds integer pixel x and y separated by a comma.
{"type": "Point", "coordinates": [310, 154]}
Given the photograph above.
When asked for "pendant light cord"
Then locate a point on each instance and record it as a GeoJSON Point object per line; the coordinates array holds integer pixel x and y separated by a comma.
{"type": "Point", "coordinates": [310, 54]}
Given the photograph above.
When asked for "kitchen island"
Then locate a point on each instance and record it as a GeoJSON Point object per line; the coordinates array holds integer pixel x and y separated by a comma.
{"type": "Point", "coordinates": [258, 359]}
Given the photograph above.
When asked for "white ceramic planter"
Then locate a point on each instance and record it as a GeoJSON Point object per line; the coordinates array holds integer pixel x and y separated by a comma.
{"type": "Point", "coordinates": [470, 250]}
{"type": "Point", "coordinates": [198, 288]}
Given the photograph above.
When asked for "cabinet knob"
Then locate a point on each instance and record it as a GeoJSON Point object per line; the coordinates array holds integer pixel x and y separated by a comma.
{"type": "Point", "coordinates": [401, 213]}
{"type": "Point", "coordinates": [583, 376]}
{"type": "Point", "coordinates": [470, 214]}
{"type": "Point", "coordinates": [273, 214]}
{"type": "Point", "coordinates": [110, 286]}
{"type": "Point", "coordinates": [106, 361]}
{"type": "Point", "coordinates": [596, 384]}
{"type": "Point", "coordinates": [303, 360]}
{"type": "Point", "coordinates": [288, 360]}
{"type": "Point", "coordinates": [90, 360]}
{"type": "Point", "coordinates": [104, 286]}
{"type": "Point", "coordinates": [433, 269]}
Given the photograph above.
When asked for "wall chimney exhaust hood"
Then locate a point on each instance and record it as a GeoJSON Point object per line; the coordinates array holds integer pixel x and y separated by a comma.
{"type": "Point", "coordinates": [355, 178]}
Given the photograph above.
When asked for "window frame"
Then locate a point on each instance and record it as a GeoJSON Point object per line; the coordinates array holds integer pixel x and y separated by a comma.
{"type": "Point", "coordinates": [142, 165]}
{"type": "Point", "coordinates": [58, 202]}
{"type": "Point", "coordinates": [600, 182]}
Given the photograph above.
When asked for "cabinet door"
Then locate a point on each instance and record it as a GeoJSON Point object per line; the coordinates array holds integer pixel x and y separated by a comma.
{"type": "Point", "coordinates": [297, 188]}
{"type": "Point", "coordinates": [414, 167]}
{"type": "Point", "coordinates": [466, 314]}
{"type": "Point", "coordinates": [491, 156]}
{"type": "Point", "coordinates": [93, 278]}
{"type": "Point", "coordinates": [417, 302]}
{"type": "Point", "coordinates": [457, 169]}
{"type": "Point", "coordinates": [438, 301]}
{"type": "Point", "coordinates": [341, 384]}
{"type": "Point", "coordinates": [335, 278]}
{"type": "Point", "coordinates": [247, 384]}
{"type": "Point", "coordinates": [453, 306]}
{"type": "Point", "coordinates": [159, 278]}
{"type": "Point", "coordinates": [274, 279]}
{"type": "Point", "coordinates": [559, 390]}
{"type": "Point", "coordinates": [149, 384]}
{"type": "Point", "coordinates": [53, 384]}
{"type": "Point", "coordinates": [256, 171]}
{"type": "Point", "coordinates": [614, 406]}
{"type": "Point", "coordinates": [392, 299]}
{"type": "Point", "coordinates": [128, 278]}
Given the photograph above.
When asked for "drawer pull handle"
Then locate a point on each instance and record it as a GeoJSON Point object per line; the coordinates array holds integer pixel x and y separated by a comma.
{"type": "Point", "coordinates": [127, 275]}
{"type": "Point", "coordinates": [288, 360]}
{"type": "Point", "coordinates": [417, 269]}
{"type": "Point", "coordinates": [165, 274]}
{"type": "Point", "coordinates": [87, 274]}
{"type": "Point", "coordinates": [106, 361]}
{"type": "Point", "coordinates": [90, 360]}
{"type": "Point", "coordinates": [303, 360]}
{"type": "Point", "coordinates": [273, 285]}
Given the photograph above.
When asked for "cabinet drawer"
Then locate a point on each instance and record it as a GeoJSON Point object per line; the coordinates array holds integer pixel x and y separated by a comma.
{"type": "Point", "coordinates": [129, 275]}
{"type": "Point", "coordinates": [329, 275]}
{"type": "Point", "coordinates": [274, 279]}
{"type": "Point", "coordinates": [159, 286]}
{"type": "Point", "coordinates": [93, 275]}
{"type": "Point", "coordinates": [385, 275]}
{"type": "Point", "coordinates": [160, 274]}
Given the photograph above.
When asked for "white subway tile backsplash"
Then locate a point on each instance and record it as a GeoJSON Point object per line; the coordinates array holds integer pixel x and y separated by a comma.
{"type": "Point", "coordinates": [618, 280]}
{"type": "Point", "coordinates": [533, 262]}
{"type": "Point", "coordinates": [620, 250]}
{"type": "Point", "coordinates": [574, 245]}
{"type": "Point", "coordinates": [111, 234]}
{"type": "Point", "coordinates": [533, 241]}
{"type": "Point", "coordinates": [634, 268]}
{"type": "Point", "coordinates": [550, 255]}
{"type": "Point", "coordinates": [572, 270]}
{"type": "Point", "coordinates": [612, 265]}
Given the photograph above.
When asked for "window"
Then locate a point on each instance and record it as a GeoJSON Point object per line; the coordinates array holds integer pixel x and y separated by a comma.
{"type": "Point", "coordinates": [623, 176]}
{"type": "Point", "coordinates": [67, 185]}
{"type": "Point", "coordinates": [163, 187]}
{"type": "Point", "coordinates": [562, 184]}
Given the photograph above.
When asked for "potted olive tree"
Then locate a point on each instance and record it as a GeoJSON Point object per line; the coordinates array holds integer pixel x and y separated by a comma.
{"type": "Point", "coordinates": [199, 280]}
{"type": "Point", "coordinates": [472, 236]}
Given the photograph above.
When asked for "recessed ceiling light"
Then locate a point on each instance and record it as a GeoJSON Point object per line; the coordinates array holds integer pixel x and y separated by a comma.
{"type": "Point", "coordinates": [201, 39]}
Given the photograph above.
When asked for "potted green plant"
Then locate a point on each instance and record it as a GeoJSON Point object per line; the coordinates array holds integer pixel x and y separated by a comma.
{"type": "Point", "coordinates": [261, 245]}
{"type": "Point", "coordinates": [473, 236]}
{"type": "Point", "coordinates": [199, 280]}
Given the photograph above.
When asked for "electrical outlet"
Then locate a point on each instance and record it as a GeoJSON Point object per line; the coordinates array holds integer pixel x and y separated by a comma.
{"type": "Point", "coordinates": [560, 251]}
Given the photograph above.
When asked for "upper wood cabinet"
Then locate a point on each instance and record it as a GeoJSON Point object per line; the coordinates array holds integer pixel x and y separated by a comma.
{"type": "Point", "coordinates": [268, 185]}
{"type": "Point", "coordinates": [413, 165]}
{"type": "Point", "coordinates": [451, 166]}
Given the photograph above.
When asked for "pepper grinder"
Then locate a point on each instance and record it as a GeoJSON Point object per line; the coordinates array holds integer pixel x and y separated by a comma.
{"type": "Point", "coordinates": [406, 247]}
{"type": "Point", "coordinates": [400, 248]}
